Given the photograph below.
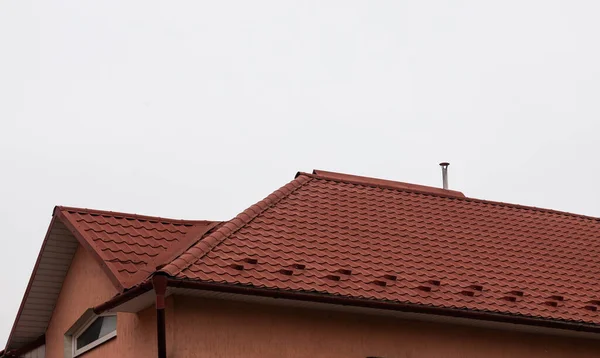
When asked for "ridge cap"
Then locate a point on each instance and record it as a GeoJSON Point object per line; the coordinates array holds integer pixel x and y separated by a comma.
{"type": "Point", "coordinates": [383, 183]}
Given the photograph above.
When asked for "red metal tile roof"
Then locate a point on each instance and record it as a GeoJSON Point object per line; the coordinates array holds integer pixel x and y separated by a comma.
{"type": "Point", "coordinates": [355, 237]}
{"type": "Point", "coordinates": [132, 246]}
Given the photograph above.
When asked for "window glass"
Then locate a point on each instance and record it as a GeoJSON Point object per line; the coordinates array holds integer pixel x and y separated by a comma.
{"type": "Point", "coordinates": [98, 329]}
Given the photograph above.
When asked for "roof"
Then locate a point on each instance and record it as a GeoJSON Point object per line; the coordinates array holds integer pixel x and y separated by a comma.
{"type": "Point", "coordinates": [128, 247]}
{"type": "Point", "coordinates": [345, 239]}
{"type": "Point", "coordinates": [347, 236]}
{"type": "Point", "coordinates": [131, 246]}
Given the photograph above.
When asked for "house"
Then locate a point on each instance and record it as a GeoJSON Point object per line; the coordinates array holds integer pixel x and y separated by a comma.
{"type": "Point", "coordinates": [329, 265]}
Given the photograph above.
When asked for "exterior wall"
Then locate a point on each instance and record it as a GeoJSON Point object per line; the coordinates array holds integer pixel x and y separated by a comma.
{"type": "Point", "coordinates": [85, 286]}
{"type": "Point", "coordinates": [209, 328]}
{"type": "Point", "coordinates": [136, 334]}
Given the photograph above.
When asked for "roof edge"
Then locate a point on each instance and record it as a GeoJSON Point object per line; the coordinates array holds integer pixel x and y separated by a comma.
{"type": "Point", "coordinates": [202, 247]}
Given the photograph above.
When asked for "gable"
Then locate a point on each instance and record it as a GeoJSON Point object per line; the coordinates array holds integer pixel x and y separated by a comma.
{"type": "Point", "coordinates": [127, 248]}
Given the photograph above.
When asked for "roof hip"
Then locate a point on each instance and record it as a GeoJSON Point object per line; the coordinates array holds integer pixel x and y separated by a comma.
{"type": "Point", "coordinates": [204, 246]}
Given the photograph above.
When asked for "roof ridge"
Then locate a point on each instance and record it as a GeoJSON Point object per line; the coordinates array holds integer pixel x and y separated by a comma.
{"type": "Point", "coordinates": [383, 183]}
{"type": "Point", "coordinates": [204, 246]}
{"type": "Point", "coordinates": [354, 179]}
{"type": "Point", "coordinates": [129, 215]}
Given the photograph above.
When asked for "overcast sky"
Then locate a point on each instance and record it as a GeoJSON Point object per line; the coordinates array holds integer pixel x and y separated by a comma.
{"type": "Point", "coordinates": [198, 109]}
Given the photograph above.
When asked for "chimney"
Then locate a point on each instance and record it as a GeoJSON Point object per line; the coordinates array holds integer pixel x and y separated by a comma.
{"type": "Point", "coordinates": [444, 166]}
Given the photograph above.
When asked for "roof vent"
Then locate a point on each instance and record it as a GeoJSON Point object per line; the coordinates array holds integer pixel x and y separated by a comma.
{"type": "Point", "coordinates": [513, 296]}
{"type": "Point", "coordinates": [424, 288]}
{"type": "Point", "coordinates": [516, 293]}
{"type": "Point", "coordinates": [299, 266]}
{"type": "Point", "coordinates": [251, 261]}
{"type": "Point", "coordinates": [345, 271]}
{"type": "Point", "coordinates": [429, 285]}
{"type": "Point", "coordinates": [287, 272]}
{"type": "Point", "coordinates": [472, 290]}
{"type": "Point", "coordinates": [380, 283]}
{"type": "Point", "coordinates": [476, 287]}
{"type": "Point", "coordinates": [554, 301]}
{"type": "Point", "coordinates": [444, 166]}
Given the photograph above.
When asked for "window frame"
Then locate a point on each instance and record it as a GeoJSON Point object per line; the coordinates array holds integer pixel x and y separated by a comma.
{"type": "Point", "coordinates": [76, 352]}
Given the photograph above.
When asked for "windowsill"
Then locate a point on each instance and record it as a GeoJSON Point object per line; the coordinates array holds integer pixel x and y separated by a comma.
{"type": "Point", "coordinates": [95, 344]}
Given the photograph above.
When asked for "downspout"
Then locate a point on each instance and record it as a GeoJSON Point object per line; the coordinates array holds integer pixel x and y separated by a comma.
{"type": "Point", "coordinates": [159, 282]}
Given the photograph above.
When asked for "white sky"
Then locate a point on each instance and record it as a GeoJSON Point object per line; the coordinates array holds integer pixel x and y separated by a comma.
{"type": "Point", "coordinates": [197, 109]}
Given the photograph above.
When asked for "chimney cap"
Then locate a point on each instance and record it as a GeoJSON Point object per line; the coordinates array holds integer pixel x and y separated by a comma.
{"type": "Point", "coordinates": [444, 164]}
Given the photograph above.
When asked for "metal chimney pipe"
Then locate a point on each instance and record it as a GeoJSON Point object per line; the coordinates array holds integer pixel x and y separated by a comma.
{"type": "Point", "coordinates": [444, 166]}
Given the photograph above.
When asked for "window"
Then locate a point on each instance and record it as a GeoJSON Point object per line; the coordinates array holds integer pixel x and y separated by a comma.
{"type": "Point", "coordinates": [94, 333]}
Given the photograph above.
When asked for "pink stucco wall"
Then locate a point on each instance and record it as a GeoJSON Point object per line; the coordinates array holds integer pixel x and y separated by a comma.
{"type": "Point", "coordinates": [208, 328]}
{"type": "Point", "coordinates": [85, 286]}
